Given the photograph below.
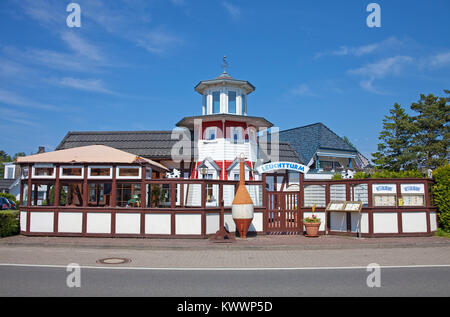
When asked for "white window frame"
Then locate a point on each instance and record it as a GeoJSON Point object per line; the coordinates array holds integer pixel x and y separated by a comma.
{"type": "Point", "coordinates": [240, 132]}
{"type": "Point", "coordinates": [8, 166]}
{"type": "Point", "coordinates": [100, 177]}
{"type": "Point", "coordinates": [33, 174]}
{"type": "Point", "coordinates": [62, 176]}
{"type": "Point", "coordinates": [128, 177]}
{"type": "Point", "coordinates": [208, 133]}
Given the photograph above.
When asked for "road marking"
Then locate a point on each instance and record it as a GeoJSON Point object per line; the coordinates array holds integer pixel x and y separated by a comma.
{"type": "Point", "coordinates": [228, 268]}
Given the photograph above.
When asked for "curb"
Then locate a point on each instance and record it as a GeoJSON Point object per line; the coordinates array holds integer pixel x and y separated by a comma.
{"type": "Point", "coordinates": [212, 246]}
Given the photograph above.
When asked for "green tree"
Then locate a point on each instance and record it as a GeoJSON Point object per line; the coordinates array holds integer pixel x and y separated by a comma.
{"type": "Point", "coordinates": [394, 153]}
{"type": "Point", "coordinates": [4, 157]}
{"type": "Point", "coordinates": [432, 133]}
{"type": "Point", "coordinates": [441, 195]}
{"type": "Point", "coordinates": [17, 155]}
{"type": "Point", "coordinates": [347, 140]}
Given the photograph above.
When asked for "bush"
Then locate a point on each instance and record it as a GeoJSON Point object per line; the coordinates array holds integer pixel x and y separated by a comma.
{"type": "Point", "coordinates": [337, 177]}
{"type": "Point", "coordinates": [360, 175]}
{"type": "Point", "coordinates": [441, 195]}
{"type": "Point", "coordinates": [10, 197]}
{"type": "Point", "coordinates": [9, 223]}
{"type": "Point", "coordinates": [400, 174]}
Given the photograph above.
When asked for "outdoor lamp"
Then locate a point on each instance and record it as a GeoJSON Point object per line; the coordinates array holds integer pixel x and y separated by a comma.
{"type": "Point", "coordinates": [203, 169]}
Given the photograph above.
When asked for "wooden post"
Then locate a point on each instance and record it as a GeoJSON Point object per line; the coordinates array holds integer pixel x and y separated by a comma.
{"type": "Point", "coordinates": [56, 213]}
{"type": "Point", "coordinates": [399, 212]}
{"type": "Point", "coordinates": [29, 185]}
{"type": "Point", "coordinates": [143, 188]}
{"type": "Point", "coordinates": [113, 200]}
{"type": "Point", "coordinates": [370, 205]}
{"type": "Point", "coordinates": [57, 188]}
{"type": "Point", "coordinates": [349, 214]}
{"type": "Point", "coordinates": [85, 187]}
{"type": "Point", "coordinates": [265, 203]}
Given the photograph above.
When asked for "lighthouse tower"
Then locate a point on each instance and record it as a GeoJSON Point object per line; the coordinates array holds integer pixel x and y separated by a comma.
{"type": "Point", "coordinates": [224, 130]}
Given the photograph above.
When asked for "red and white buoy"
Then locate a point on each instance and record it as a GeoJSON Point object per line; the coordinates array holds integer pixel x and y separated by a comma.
{"type": "Point", "coordinates": [242, 207]}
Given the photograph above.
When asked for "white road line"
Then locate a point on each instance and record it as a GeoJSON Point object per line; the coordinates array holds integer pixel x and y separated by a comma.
{"type": "Point", "coordinates": [229, 269]}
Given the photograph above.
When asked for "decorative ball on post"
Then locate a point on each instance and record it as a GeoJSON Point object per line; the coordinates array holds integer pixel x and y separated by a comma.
{"type": "Point", "coordinates": [242, 207]}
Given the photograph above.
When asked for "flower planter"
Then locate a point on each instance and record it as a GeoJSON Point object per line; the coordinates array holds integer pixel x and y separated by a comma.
{"type": "Point", "coordinates": [312, 229]}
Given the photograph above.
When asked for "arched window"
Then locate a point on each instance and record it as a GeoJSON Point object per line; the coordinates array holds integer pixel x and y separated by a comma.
{"type": "Point", "coordinates": [236, 135]}
{"type": "Point", "coordinates": [211, 133]}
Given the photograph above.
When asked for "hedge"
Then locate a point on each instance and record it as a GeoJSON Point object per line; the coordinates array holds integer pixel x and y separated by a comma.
{"type": "Point", "coordinates": [9, 223]}
{"type": "Point", "coordinates": [441, 195]}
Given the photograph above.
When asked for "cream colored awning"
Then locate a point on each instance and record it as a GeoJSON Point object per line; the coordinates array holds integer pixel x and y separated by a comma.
{"type": "Point", "coordinates": [92, 154]}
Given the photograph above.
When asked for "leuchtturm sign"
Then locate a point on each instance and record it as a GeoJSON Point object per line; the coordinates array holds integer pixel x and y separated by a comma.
{"type": "Point", "coordinates": [269, 167]}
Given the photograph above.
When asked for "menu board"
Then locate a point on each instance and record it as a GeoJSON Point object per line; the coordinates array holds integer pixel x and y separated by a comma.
{"type": "Point", "coordinates": [353, 206]}
{"type": "Point", "coordinates": [413, 200]}
{"type": "Point", "coordinates": [336, 206]}
{"type": "Point", "coordinates": [344, 206]}
{"type": "Point", "coordinates": [385, 200]}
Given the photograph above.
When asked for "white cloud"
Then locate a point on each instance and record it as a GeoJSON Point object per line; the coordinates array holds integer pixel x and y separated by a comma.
{"type": "Point", "coordinates": [10, 98]}
{"type": "Point", "coordinates": [384, 67]}
{"type": "Point", "coordinates": [17, 117]}
{"type": "Point", "coordinates": [93, 85]}
{"type": "Point", "coordinates": [81, 46]}
{"type": "Point", "coordinates": [157, 41]}
{"type": "Point", "coordinates": [381, 69]}
{"type": "Point", "coordinates": [233, 10]}
{"type": "Point", "coordinates": [440, 60]}
{"type": "Point", "coordinates": [302, 90]}
{"type": "Point", "coordinates": [391, 42]}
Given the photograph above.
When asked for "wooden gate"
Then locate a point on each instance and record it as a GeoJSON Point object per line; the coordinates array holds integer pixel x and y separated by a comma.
{"type": "Point", "coordinates": [283, 214]}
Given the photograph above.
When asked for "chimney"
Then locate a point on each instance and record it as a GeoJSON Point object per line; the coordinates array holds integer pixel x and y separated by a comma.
{"type": "Point", "coordinates": [41, 150]}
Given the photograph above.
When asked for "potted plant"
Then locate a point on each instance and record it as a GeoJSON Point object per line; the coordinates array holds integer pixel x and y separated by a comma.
{"type": "Point", "coordinates": [312, 224]}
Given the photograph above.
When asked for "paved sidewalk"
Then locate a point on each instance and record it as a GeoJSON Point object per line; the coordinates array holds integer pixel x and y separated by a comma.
{"type": "Point", "coordinates": [260, 242]}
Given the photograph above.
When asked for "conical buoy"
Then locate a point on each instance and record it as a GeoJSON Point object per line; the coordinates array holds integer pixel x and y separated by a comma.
{"type": "Point", "coordinates": [242, 207]}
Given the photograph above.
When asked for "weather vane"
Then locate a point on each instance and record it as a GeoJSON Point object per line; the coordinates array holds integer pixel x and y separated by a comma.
{"type": "Point", "coordinates": [225, 64]}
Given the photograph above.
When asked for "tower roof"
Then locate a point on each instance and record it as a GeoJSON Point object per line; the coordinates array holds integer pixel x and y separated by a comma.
{"type": "Point", "coordinates": [225, 80]}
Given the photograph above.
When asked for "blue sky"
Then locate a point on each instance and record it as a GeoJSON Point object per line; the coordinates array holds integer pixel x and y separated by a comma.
{"type": "Point", "coordinates": [133, 64]}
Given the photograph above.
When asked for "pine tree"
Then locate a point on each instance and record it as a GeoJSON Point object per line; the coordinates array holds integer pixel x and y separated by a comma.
{"type": "Point", "coordinates": [394, 153]}
{"type": "Point", "coordinates": [432, 134]}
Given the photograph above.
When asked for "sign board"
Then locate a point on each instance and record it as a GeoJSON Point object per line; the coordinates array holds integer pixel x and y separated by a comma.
{"type": "Point", "coordinates": [384, 189]}
{"type": "Point", "coordinates": [412, 188]}
{"type": "Point", "coordinates": [347, 206]}
{"type": "Point", "coordinates": [270, 167]}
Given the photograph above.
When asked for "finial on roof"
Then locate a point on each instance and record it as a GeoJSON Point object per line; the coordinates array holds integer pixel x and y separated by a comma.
{"type": "Point", "coordinates": [225, 64]}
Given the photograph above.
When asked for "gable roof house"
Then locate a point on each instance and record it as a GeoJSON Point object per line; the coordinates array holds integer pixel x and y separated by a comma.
{"type": "Point", "coordinates": [323, 150]}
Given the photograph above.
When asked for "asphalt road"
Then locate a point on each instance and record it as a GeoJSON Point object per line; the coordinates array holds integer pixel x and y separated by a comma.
{"type": "Point", "coordinates": [51, 281]}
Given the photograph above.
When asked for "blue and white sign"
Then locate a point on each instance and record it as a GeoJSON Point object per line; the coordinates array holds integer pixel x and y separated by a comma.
{"type": "Point", "coordinates": [270, 167]}
{"type": "Point", "coordinates": [384, 188]}
{"type": "Point", "coordinates": [412, 188]}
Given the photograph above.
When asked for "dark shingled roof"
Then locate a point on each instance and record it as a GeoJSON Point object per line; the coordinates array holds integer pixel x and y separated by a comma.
{"type": "Point", "coordinates": [6, 183]}
{"type": "Point", "coordinates": [149, 144]}
{"type": "Point", "coordinates": [308, 139]}
{"type": "Point", "coordinates": [286, 153]}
